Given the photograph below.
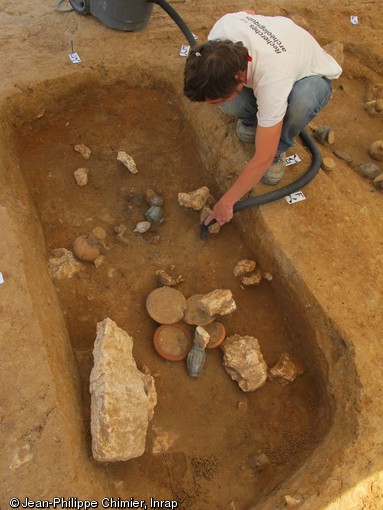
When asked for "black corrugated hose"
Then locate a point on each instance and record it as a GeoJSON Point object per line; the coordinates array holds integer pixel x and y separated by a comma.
{"type": "Point", "coordinates": [281, 192]}
{"type": "Point", "coordinates": [177, 19]}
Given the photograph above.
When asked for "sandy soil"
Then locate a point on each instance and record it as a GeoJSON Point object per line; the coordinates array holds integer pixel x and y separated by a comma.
{"type": "Point", "coordinates": [324, 304]}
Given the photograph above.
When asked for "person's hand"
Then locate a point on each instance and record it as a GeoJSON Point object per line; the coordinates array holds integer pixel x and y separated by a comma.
{"type": "Point", "coordinates": [222, 213]}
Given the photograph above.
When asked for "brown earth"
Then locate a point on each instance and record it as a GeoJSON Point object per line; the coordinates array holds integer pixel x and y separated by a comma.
{"type": "Point", "coordinates": [321, 433]}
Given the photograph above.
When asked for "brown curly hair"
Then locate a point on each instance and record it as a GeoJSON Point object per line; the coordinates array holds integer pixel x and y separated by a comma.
{"type": "Point", "coordinates": [211, 68]}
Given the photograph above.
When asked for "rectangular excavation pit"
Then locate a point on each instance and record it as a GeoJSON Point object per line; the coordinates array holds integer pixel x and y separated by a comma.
{"type": "Point", "coordinates": [204, 441]}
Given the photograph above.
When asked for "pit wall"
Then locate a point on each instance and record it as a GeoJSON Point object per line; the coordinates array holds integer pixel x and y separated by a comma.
{"type": "Point", "coordinates": [43, 411]}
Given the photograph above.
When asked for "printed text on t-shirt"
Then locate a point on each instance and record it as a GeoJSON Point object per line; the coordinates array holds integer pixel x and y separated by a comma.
{"type": "Point", "coordinates": [265, 34]}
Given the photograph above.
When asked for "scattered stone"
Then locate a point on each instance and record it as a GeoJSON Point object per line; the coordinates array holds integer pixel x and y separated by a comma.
{"type": "Point", "coordinates": [374, 107]}
{"type": "Point", "coordinates": [259, 461]}
{"type": "Point", "coordinates": [244, 266]}
{"type": "Point", "coordinates": [127, 161]}
{"type": "Point", "coordinates": [335, 49]}
{"type": "Point", "coordinates": [142, 226]}
{"type": "Point", "coordinates": [164, 278]}
{"type": "Point", "coordinates": [267, 276]}
{"type": "Point", "coordinates": [98, 261]}
{"type": "Point", "coordinates": [376, 150]}
{"type": "Point", "coordinates": [120, 231]}
{"type": "Point", "coordinates": [63, 264]}
{"type": "Point", "coordinates": [286, 369]}
{"type": "Point", "coordinates": [368, 170]}
{"type": "Point", "coordinates": [292, 501]}
{"type": "Point", "coordinates": [252, 280]}
{"type": "Point", "coordinates": [201, 337]}
{"type": "Point", "coordinates": [81, 176]}
{"type": "Point", "coordinates": [195, 199]}
{"type": "Point", "coordinates": [205, 212]}
{"type": "Point", "coordinates": [83, 150]}
{"type": "Point", "coordinates": [122, 397]}
{"type": "Point", "coordinates": [378, 182]}
{"type": "Point", "coordinates": [244, 362]}
{"type": "Point", "coordinates": [324, 135]}
{"type": "Point", "coordinates": [328, 164]}
{"type": "Point", "coordinates": [217, 302]}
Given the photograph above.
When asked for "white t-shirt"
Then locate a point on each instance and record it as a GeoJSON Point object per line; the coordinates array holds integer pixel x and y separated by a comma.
{"type": "Point", "coordinates": [281, 52]}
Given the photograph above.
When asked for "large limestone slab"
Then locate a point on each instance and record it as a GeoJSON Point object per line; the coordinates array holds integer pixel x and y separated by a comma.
{"type": "Point", "coordinates": [122, 397]}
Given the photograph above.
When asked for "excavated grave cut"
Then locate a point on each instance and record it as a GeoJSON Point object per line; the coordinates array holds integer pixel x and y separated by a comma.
{"type": "Point", "coordinates": [206, 436]}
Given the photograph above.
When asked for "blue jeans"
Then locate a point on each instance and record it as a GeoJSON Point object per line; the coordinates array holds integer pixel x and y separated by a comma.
{"type": "Point", "coordinates": [307, 97]}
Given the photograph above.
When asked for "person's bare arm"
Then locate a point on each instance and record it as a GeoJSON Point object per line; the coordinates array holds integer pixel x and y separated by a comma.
{"type": "Point", "coordinates": [266, 143]}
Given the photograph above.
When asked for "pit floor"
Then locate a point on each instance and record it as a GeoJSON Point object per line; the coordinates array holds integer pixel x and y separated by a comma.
{"type": "Point", "coordinates": [206, 433]}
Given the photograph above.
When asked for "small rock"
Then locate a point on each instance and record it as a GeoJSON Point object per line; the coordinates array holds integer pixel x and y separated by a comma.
{"type": "Point", "coordinates": [81, 176]}
{"type": "Point", "coordinates": [218, 301]}
{"type": "Point", "coordinates": [252, 280]}
{"type": "Point", "coordinates": [345, 156]}
{"type": "Point", "coordinates": [244, 266]}
{"type": "Point", "coordinates": [164, 278]}
{"type": "Point", "coordinates": [201, 337]}
{"type": "Point", "coordinates": [259, 461]}
{"type": "Point", "coordinates": [83, 150]}
{"type": "Point", "coordinates": [63, 264]}
{"type": "Point", "coordinates": [244, 362]}
{"type": "Point", "coordinates": [286, 369]}
{"type": "Point", "coordinates": [120, 231]}
{"type": "Point", "coordinates": [195, 199]}
{"type": "Point", "coordinates": [267, 276]}
{"type": "Point", "coordinates": [292, 501]}
{"type": "Point", "coordinates": [127, 161]}
{"type": "Point", "coordinates": [374, 107]}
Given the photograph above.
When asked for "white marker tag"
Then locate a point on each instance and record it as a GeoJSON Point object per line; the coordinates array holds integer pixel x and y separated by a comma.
{"type": "Point", "coordinates": [184, 50]}
{"type": "Point", "coordinates": [74, 58]}
{"type": "Point", "coordinates": [1, 278]}
{"type": "Point", "coordinates": [295, 197]}
{"type": "Point", "coordinates": [354, 20]}
{"type": "Point", "coordinates": [291, 160]}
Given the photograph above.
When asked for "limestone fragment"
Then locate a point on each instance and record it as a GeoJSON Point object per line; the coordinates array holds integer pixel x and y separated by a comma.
{"type": "Point", "coordinates": [374, 107]}
{"type": "Point", "coordinates": [195, 199]}
{"type": "Point", "coordinates": [252, 280]}
{"type": "Point", "coordinates": [127, 161]}
{"type": "Point", "coordinates": [83, 150]}
{"type": "Point", "coordinates": [217, 302]}
{"type": "Point", "coordinates": [142, 226]}
{"type": "Point", "coordinates": [244, 266]}
{"type": "Point", "coordinates": [122, 397]}
{"type": "Point", "coordinates": [63, 264]}
{"type": "Point", "coordinates": [201, 337]}
{"type": "Point", "coordinates": [164, 278]}
{"type": "Point", "coordinates": [244, 362]}
{"type": "Point", "coordinates": [81, 176]}
{"type": "Point", "coordinates": [286, 369]}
